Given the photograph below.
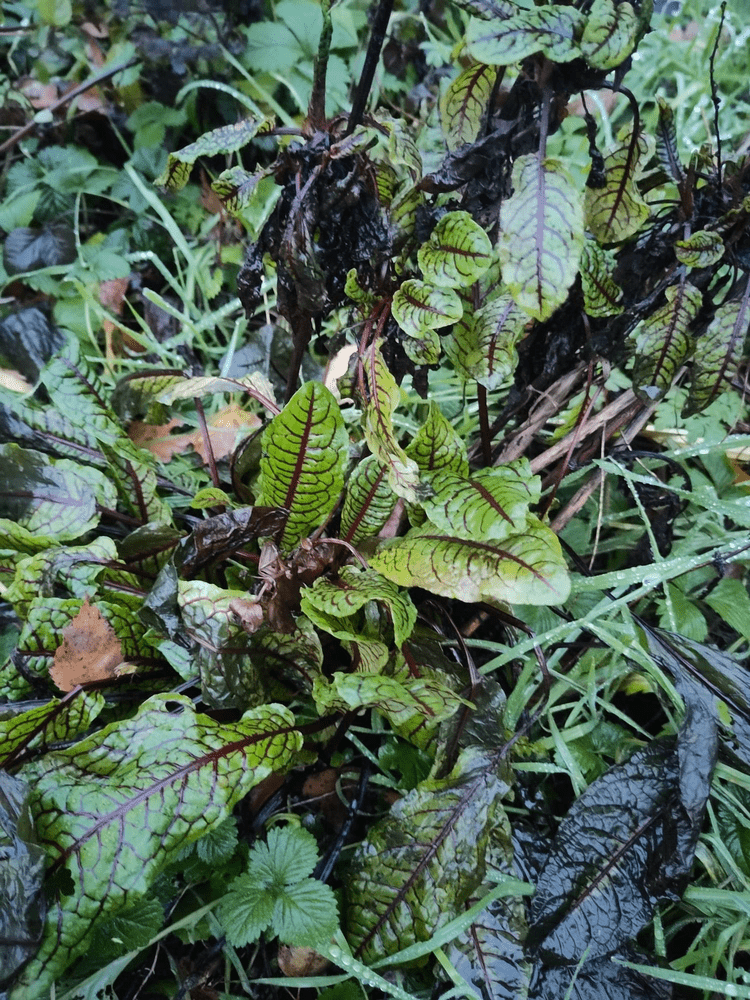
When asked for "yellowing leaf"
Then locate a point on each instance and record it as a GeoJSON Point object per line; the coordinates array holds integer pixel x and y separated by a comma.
{"type": "Point", "coordinates": [227, 139]}
{"type": "Point", "coordinates": [541, 235]}
{"type": "Point", "coordinates": [457, 253]}
{"type": "Point", "coordinates": [702, 249]}
{"type": "Point", "coordinates": [553, 30]}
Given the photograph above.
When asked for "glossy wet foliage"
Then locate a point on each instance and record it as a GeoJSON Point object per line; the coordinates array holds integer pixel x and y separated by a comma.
{"type": "Point", "coordinates": [373, 501]}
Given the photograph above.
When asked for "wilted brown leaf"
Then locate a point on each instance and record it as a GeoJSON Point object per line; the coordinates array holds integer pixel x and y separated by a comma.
{"type": "Point", "coordinates": [90, 650]}
{"type": "Point", "coordinates": [223, 429]}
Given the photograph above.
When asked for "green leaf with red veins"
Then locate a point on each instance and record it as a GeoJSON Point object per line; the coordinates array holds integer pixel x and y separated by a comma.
{"type": "Point", "coordinates": [663, 342]}
{"type": "Point", "coordinates": [436, 447]}
{"type": "Point", "coordinates": [419, 865]}
{"type": "Point", "coordinates": [490, 504]}
{"type": "Point", "coordinates": [353, 589]}
{"type": "Point", "coordinates": [305, 450]}
{"type": "Point", "coordinates": [226, 139]}
{"type": "Point", "coordinates": [255, 385]}
{"type": "Point", "coordinates": [553, 30]}
{"type": "Point", "coordinates": [55, 722]}
{"type": "Point", "coordinates": [601, 295]}
{"type": "Point", "coordinates": [525, 568]}
{"type": "Point", "coordinates": [385, 395]}
{"type": "Point", "coordinates": [617, 211]}
{"type": "Point", "coordinates": [413, 706]}
{"type": "Point", "coordinates": [463, 106]}
{"type": "Point", "coordinates": [112, 810]}
{"type": "Point", "coordinates": [457, 253]}
{"type": "Point", "coordinates": [420, 308]}
{"type": "Point", "coordinates": [717, 354]}
{"type": "Point", "coordinates": [482, 347]}
{"type": "Point", "coordinates": [702, 249]}
{"type": "Point", "coordinates": [541, 235]}
{"type": "Point", "coordinates": [611, 34]}
{"type": "Point", "coordinates": [666, 141]}
{"type": "Point", "coordinates": [368, 503]}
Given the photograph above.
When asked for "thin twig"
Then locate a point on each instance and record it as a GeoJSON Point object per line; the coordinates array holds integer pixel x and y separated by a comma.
{"type": "Point", "coordinates": [92, 81]}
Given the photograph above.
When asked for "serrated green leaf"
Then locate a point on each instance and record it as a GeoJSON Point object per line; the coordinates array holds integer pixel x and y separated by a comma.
{"type": "Point", "coordinates": [464, 104]}
{"type": "Point", "coordinates": [553, 30]}
{"type": "Point", "coordinates": [457, 253]}
{"type": "Point", "coordinates": [420, 308]}
{"type": "Point", "coordinates": [482, 347]}
{"type": "Point", "coordinates": [717, 354]}
{"type": "Point", "coordinates": [403, 472]}
{"type": "Point", "coordinates": [226, 139]}
{"type": "Point", "coordinates": [353, 589]}
{"type": "Point", "coordinates": [702, 249]}
{"type": "Point", "coordinates": [610, 35]}
{"type": "Point", "coordinates": [132, 929]}
{"type": "Point", "coordinates": [246, 911]}
{"type": "Point", "coordinates": [490, 504]}
{"type": "Point", "coordinates": [601, 295]}
{"type": "Point", "coordinates": [55, 499]}
{"type": "Point", "coordinates": [541, 235]}
{"type": "Point", "coordinates": [304, 456]}
{"type": "Point", "coordinates": [290, 854]}
{"type": "Point", "coordinates": [525, 568]}
{"type": "Point", "coordinates": [617, 211]}
{"type": "Point", "coordinates": [731, 601]}
{"type": "Point", "coordinates": [663, 342]}
{"type": "Point", "coordinates": [413, 706]}
{"type": "Point", "coordinates": [368, 503]}
{"type": "Point", "coordinates": [305, 914]}
{"type": "Point", "coordinates": [419, 865]}
{"type": "Point", "coordinates": [112, 809]}
{"type": "Point", "coordinates": [56, 721]}
{"type": "Point", "coordinates": [666, 140]}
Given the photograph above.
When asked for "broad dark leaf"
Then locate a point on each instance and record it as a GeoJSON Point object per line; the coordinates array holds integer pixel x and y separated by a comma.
{"type": "Point", "coordinates": [598, 979]}
{"type": "Point", "coordinates": [28, 249]}
{"type": "Point", "coordinates": [28, 340]}
{"type": "Point", "coordinates": [625, 844]}
{"type": "Point", "coordinates": [217, 537]}
{"type": "Point", "coordinates": [21, 872]}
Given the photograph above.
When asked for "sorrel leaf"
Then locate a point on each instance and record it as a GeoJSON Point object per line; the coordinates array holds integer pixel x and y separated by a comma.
{"type": "Point", "coordinates": [227, 139]}
{"type": "Point", "coordinates": [663, 342]}
{"type": "Point", "coordinates": [598, 978]}
{"type": "Point", "coordinates": [602, 296]}
{"type": "Point", "coordinates": [53, 499]}
{"type": "Point", "coordinates": [701, 249]}
{"type": "Point", "coordinates": [353, 589]}
{"type": "Point", "coordinates": [457, 253]}
{"type": "Point", "coordinates": [666, 141]}
{"type": "Point", "coordinates": [302, 466]}
{"type": "Point", "coordinates": [541, 234]}
{"type": "Point", "coordinates": [526, 568]}
{"type": "Point", "coordinates": [463, 106]}
{"type": "Point", "coordinates": [552, 30]}
{"type": "Point", "coordinates": [368, 503]}
{"type": "Point", "coordinates": [112, 810]}
{"type": "Point", "coordinates": [717, 353]}
{"type": "Point", "coordinates": [482, 346]}
{"type": "Point", "coordinates": [418, 866]}
{"type": "Point", "coordinates": [420, 308]}
{"type": "Point", "coordinates": [39, 727]}
{"type": "Point", "coordinates": [624, 845]}
{"type": "Point", "coordinates": [617, 210]}
{"type": "Point", "coordinates": [436, 447]}
{"type": "Point", "coordinates": [610, 35]}
{"type": "Point", "coordinates": [490, 504]}
{"type": "Point", "coordinates": [403, 472]}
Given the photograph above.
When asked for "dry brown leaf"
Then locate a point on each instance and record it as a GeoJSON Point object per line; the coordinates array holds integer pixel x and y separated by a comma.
{"type": "Point", "coordinates": [40, 95]}
{"type": "Point", "coordinates": [90, 650]}
{"type": "Point", "coordinates": [223, 429]}
{"type": "Point", "coordinates": [301, 961]}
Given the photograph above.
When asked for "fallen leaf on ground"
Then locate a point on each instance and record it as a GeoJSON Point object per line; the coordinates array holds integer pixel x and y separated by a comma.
{"type": "Point", "coordinates": [90, 650]}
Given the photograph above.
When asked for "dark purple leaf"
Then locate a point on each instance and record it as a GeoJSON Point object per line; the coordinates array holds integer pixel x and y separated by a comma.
{"type": "Point", "coordinates": [29, 249]}
{"type": "Point", "coordinates": [598, 979]}
{"type": "Point", "coordinates": [28, 340]}
{"type": "Point", "coordinates": [625, 844]}
{"type": "Point", "coordinates": [220, 536]}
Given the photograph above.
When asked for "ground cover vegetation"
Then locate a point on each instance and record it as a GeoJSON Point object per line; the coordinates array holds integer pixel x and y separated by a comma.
{"type": "Point", "coordinates": [374, 500]}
